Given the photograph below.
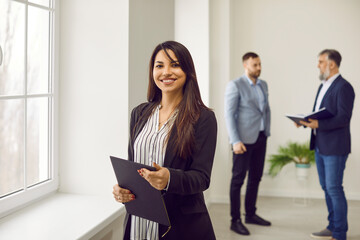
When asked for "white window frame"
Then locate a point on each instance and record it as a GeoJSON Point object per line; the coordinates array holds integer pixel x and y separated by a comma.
{"type": "Point", "coordinates": [17, 200]}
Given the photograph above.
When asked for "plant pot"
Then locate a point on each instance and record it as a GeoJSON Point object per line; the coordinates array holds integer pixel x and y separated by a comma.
{"type": "Point", "coordinates": [302, 170]}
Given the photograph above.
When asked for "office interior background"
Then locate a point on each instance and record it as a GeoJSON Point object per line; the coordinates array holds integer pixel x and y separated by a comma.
{"type": "Point", "coordinates": [102, 64]}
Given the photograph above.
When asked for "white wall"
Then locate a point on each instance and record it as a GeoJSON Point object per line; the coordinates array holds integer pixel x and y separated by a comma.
{"type": "Point", "coordinates": [151, 22]}
{"type": "Point", "coordinates": [93, 93]}
{"type": "Point", "coordinates": [192, 30]}
{"type": "Point", "coordinates": [105, 47]}
{"type": "Point", "coordinates": [220, 62]}
{"type": "Point", "coordinates": [287, 35]}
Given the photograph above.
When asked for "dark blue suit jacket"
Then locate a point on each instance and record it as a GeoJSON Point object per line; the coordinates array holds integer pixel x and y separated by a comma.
{"type": "Point", "coordinates": [333, 135]}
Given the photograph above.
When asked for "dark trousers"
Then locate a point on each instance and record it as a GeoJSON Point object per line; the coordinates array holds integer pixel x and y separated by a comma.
{"type": "Point", "coordinates": [251, 162]}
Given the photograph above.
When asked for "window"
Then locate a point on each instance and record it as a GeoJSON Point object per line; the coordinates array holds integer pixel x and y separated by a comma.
{"type": "Point", "coordinates": [27, 102]}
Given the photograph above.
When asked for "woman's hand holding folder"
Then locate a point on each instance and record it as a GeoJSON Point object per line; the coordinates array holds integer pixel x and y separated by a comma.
{"type": "Point", "coordinates": [158, 179]}
{"type": "Point", "coordinates": [122, 195]}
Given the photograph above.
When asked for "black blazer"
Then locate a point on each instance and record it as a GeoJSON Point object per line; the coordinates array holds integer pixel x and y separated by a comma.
{"type": "Point", "coordinates": [189, 177]}
{"type": "Point", "coordinates": [333, 135]}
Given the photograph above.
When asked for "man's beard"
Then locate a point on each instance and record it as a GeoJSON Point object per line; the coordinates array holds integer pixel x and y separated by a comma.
{"type": "Point", "coordinates": [326, 74]}
{"type": "Point", "coordinates": [255, 74]}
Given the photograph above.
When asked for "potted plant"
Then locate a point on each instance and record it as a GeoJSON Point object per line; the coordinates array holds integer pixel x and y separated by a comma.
{"type": "Point", "coordinates": [299, 153]}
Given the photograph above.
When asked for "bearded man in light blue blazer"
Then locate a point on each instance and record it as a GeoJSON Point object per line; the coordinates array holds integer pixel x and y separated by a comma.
{"type": "Point", "coordinates": [247, 115]}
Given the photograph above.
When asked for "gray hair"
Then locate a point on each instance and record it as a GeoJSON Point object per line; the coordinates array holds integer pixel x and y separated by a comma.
{"type": "Point", "coordinates": [333, 55]}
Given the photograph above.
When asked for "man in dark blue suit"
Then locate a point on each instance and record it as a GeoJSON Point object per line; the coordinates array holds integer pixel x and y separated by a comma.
{"type": "Point", "coordinates": [330, 138]}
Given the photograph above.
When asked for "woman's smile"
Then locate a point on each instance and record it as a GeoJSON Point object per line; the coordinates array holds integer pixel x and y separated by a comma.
{"type": "Point", "coordinates": [167, 73]}
{"type": "Point", "coordinates": [168, 81]}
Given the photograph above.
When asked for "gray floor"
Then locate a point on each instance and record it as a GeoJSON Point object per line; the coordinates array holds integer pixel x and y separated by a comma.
{"type": "Point", "coordinates": [292, 219]}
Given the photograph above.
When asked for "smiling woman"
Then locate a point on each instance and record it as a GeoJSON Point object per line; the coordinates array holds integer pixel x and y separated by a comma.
{"type": "Point", "coordinates": [176, 133]}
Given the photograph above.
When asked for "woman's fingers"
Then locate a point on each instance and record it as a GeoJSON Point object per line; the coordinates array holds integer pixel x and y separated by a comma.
{"type": "Point", "coordinates": [122, 195]}
{"type": "Point", "coordinates": [158, 167]}
{"type": "Point", "coordinates": [158, 179]}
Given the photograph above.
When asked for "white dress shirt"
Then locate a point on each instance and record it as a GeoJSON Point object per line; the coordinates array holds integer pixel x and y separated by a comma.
{"type": "Point", "coordinates": [260, 97]}
{"type": "Point", "coordinates": [325, 86]}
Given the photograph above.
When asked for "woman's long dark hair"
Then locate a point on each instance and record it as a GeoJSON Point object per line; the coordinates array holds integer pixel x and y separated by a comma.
{"type": "Point", "coordinates": [191, 104]}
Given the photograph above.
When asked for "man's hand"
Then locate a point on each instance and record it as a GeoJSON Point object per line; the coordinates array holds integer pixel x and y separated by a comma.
{"type": "Point", "coordinates": [313, 123]}
{"type": "Point", "coordinates": [158, 179]}
{"type": "Point", "coordinates": [239, 148]}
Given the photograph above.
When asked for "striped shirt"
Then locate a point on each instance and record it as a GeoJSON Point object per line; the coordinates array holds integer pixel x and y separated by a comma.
{"type": "Point", "coordinates": [149, 147]}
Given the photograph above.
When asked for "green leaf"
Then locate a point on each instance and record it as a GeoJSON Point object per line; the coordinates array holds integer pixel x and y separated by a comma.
{"type": "Point", "coordinates": [289, 153]}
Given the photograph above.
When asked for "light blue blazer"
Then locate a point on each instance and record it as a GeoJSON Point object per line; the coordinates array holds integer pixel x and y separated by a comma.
{"type": "Point", "coordinates": [243, 115]}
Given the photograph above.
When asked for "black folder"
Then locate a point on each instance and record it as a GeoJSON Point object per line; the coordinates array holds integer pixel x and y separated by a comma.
{"type": "Point", "coordinates": [148, 203]}
{"type": "Point", "coordinates": [320, 114]}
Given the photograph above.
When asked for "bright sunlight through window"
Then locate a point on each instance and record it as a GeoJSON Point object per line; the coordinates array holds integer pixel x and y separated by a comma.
{"type": "Point", "coordinates": [26, 101]}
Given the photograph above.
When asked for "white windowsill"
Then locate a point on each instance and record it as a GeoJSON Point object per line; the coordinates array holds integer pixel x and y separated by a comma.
{"type": "Point", "coordinates": [61, 216]}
